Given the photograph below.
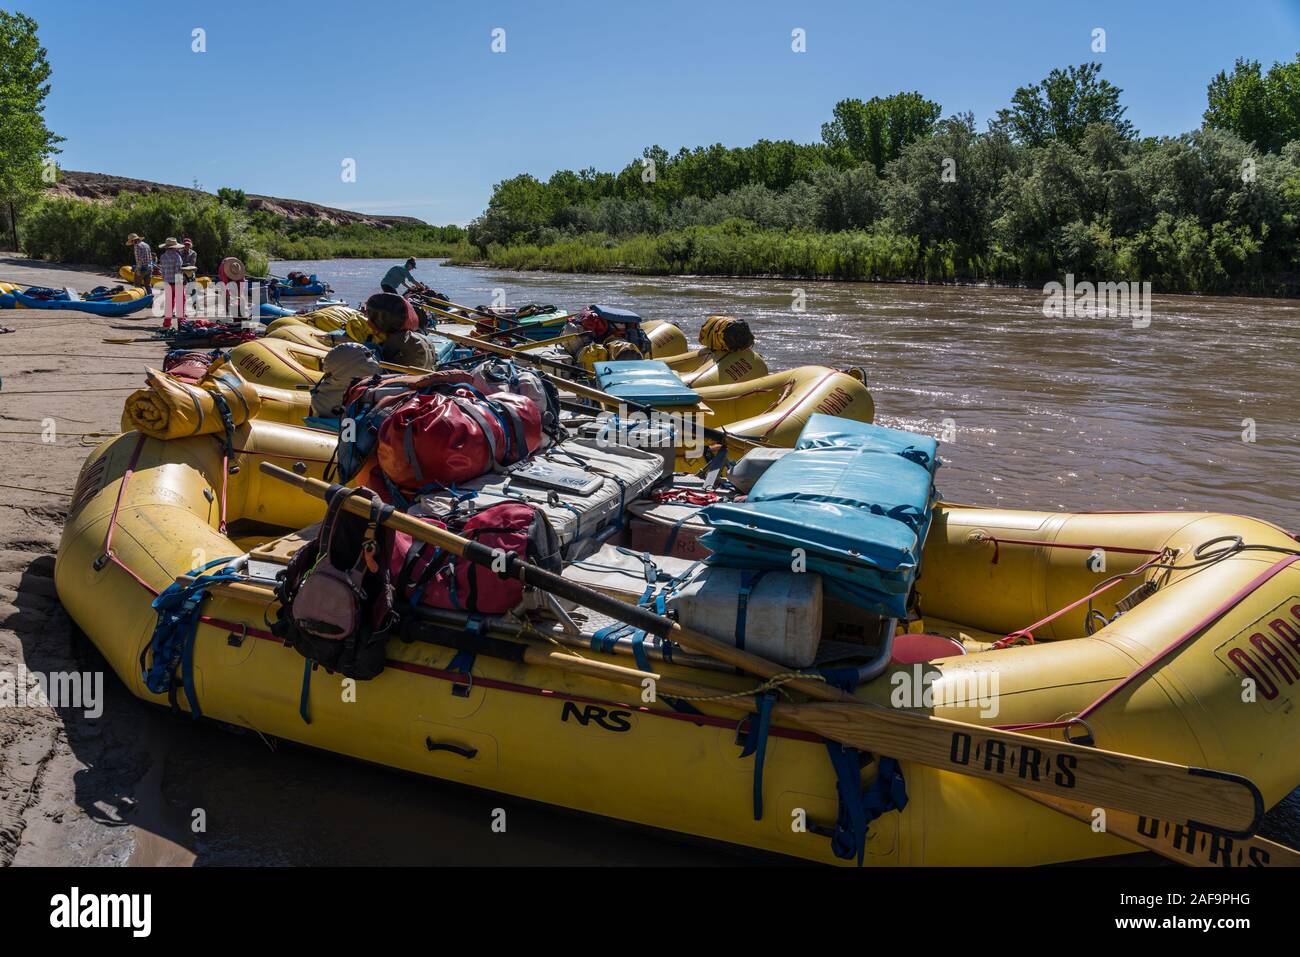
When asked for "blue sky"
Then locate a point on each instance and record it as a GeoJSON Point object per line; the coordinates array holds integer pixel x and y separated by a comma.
{"type": "Point", "coordinates": [414, 94]}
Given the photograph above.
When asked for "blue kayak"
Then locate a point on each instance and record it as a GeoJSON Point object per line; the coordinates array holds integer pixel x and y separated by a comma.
{"type": "Point", "coordinates": [96, 308]}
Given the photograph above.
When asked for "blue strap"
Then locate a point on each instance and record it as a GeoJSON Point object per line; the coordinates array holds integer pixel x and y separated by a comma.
{"type": "Point", "coordinates": [858, 806]}
{"type": "Point", "coordinates": [756, 744]}
{"type": "Point", "coordinates": [918, 456]}
{"type": "Point", "coordinates": [846, 679]}
{"type": "Point", "coordinates": [306, 689]}
{"type": "Point", "coordinates": [606, 638]}
{"type": "Point", "coordinates": [638, 650]}
{"type": "Point", "coordinates": [227, 422]}
{"type": "Point", "coordinates": [463, 661]}
{"type": "Point", "coordinates": [681, 705]}
{"type": "Point", "coordinates": [748, 579]}
{"type": "Point", "coordinates": [677, 527]}
{"type": "Point", "coordinates": [172, 644]}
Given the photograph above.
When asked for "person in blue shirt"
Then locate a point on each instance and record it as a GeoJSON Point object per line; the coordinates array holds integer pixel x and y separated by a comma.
{"type": "Point", "coordinates": [399, 275]}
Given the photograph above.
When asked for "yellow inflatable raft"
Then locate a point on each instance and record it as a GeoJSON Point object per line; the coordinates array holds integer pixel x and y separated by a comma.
{"type": "Point", "coordinates": [146, 511]}
{"type": "Point", "coordinates": [665, 338]}
{"type": "Point", "coordinates": [775, 408]}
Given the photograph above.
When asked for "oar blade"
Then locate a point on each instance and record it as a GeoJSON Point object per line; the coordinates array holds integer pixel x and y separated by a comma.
{"type": "Point", "coordinates": [1177, 841]}
{"type": "Point", "coordinates": [1210, 800]}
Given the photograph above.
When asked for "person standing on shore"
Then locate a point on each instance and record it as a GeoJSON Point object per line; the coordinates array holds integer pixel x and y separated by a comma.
{"type": "Point", "coordinates": [189, 258]}
{"type": "Point", "coordinates": [143, 261]}
{"type": "Point", "coordinates": [172, 264]}
{"type": "Point", "coordinates": [398, 275]}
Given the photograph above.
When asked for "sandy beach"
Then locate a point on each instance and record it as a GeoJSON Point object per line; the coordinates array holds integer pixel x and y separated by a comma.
{"type": "Point", "coordinates": [65, 784]}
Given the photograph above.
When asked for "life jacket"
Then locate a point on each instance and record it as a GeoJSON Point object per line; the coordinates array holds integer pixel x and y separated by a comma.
{"type": "Point", "coordinates": [425, 574]}
{"type": "Point", "coordinates": [336, 597]}
{"type": "Point", "coordinates": [502, 375]}
{"type": "Point", "coordinates": [439, 439]}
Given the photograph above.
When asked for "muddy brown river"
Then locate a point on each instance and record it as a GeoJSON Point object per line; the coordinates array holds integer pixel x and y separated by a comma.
{"type": "Point", "coordinates": [1197, 410]}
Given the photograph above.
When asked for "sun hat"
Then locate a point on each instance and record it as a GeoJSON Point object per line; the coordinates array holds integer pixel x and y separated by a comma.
{"type": "Point", "coordinates": [170, 243]}
{"type": "Point", "coordinates": [134, 238]}
{"type": "Point", "coordinates": [233, 269]}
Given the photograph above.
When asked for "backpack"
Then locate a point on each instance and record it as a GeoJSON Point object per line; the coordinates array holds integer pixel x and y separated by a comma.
{"type": "Point", "coordinates": [336, 596]}
{"type": "Point", "coordinates": [425, 574]}
{"type": "Point", "coordinates": [439, 439]}
{"type": "Point", "coordinates": [502, 375]}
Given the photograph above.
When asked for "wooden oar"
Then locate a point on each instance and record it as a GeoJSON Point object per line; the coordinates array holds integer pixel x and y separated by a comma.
{"type": "Point", "coordinates": [1212, 800]}
{"type": "Point", "coordinates": [1177, 842]}
{"type": "Point", "coordinates": [427, 303]}
{"type": "Point", "coordinates": [512, 353]}
{"type": "Point", "coordinates": [596, 395]}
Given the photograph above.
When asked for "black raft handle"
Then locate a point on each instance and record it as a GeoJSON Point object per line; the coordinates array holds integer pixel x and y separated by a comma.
{"type": "Point", "coordinates": [464, 752]}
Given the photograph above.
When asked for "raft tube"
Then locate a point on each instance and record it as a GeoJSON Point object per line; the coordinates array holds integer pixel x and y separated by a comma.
{"type": "Point", "coordinates": [775, 408]}
{"type": "Point", "coordinates": [143, 508]}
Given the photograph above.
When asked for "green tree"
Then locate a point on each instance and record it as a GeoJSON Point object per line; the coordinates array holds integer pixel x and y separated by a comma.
{"type": "Point", "coordinates": [876, 131]}
{"type": "Point", "coordinates": [234, 198]}
{"type": "Point", "coordinates": [1063, 106]}
{"type": "Point", "coordinates": [959, 208]}
{"type": "Point", "coordinates": [1261, 108]}
{"type": "Point", "coordinates": [25, 141]}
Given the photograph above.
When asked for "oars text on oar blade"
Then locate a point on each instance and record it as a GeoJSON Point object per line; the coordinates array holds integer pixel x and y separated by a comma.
{"type": "Point", "coordinates": [1214, 801]}
{"type": "Point", "coordinates": [1178, 841]}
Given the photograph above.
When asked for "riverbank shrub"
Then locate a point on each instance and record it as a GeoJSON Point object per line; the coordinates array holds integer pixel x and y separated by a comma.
{"type": "Point", "coordinates": [65, 229]}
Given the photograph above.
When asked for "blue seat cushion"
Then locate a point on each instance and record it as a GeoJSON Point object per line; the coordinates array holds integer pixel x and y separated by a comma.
{"type": "Point", "coordinates": [647, 381]}
{"type": "Point", "coordinates": [856, 498]}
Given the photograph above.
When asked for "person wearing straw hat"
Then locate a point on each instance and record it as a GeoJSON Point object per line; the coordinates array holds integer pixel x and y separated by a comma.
{"type": "Point", "coordinates": [171, 262]}
{"type": "Point", "coordinates": [143, 260]}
